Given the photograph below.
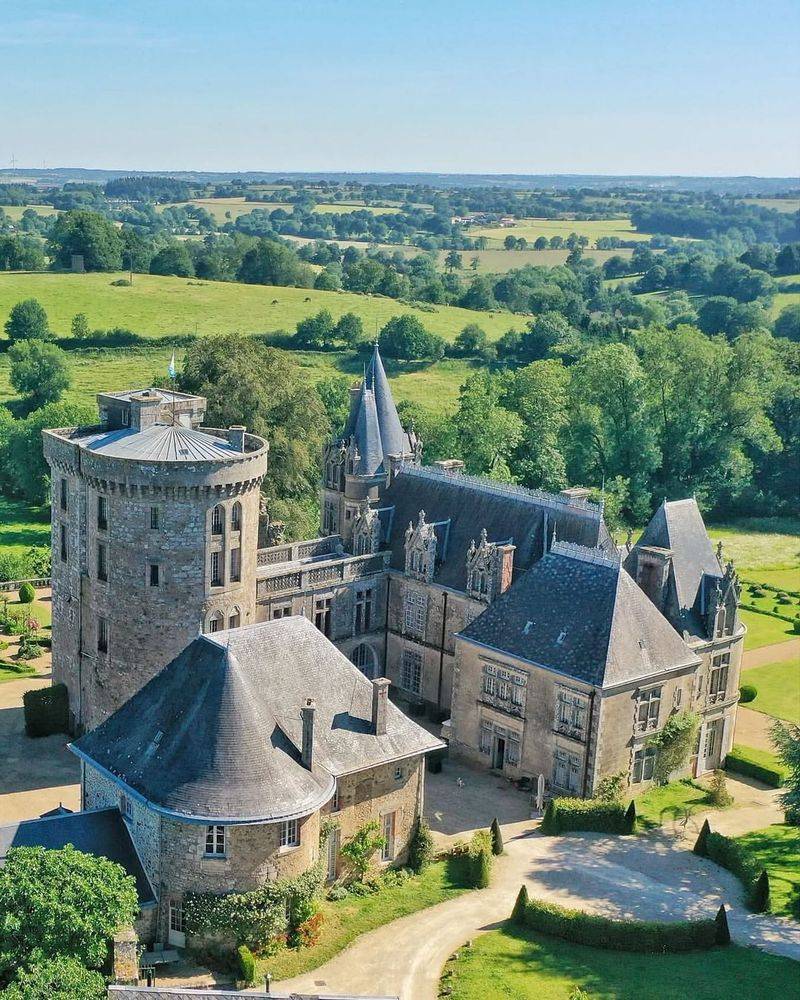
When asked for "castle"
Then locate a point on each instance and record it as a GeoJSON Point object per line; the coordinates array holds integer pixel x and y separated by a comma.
{"type": "Point", "coordinates": [508, 616]}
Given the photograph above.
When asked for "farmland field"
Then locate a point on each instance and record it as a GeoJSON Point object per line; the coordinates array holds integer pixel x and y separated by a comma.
{"type": "Point", "coordinates": [22, 526]}
{"type": "Point", "coordinates": [531, 229]}
{"type": "Point", "coordinates": [14, 212]}
{"type": "Point", "coordinates": [217, 207]}
{"type": "Point", "coordinates": [156, 306]}
{"type": "Point", "coordinates": [787, 205]}
{"type": "Point", "coordinates": [788, 293]}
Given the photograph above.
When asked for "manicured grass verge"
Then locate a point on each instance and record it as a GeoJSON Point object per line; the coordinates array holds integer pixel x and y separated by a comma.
{"type": "Point", "coordinates": [764, 630]}
{"type": "Point", "coordinates": [515, 963]}
{"type": "Point", "coordinates": [778, 686]}
{"type": "Point", "coordinates": [345, 919]}
{"type": "Point", "coordinates": [12, 672]}
{"type": "Point", "coordinates": [759, 764]}
{"type": "Point", "coordinates": [22, 526]}
{"type": "Point", "coordinates": [665, 803]}
{"type": "Point", "coordinates": [777, 849]}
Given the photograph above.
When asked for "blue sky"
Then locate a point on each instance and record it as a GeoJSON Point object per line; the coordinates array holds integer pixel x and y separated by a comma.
{"type": "Point", "coordinates": [572, 86]}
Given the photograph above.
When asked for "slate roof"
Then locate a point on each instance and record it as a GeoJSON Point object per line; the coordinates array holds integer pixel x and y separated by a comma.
{"type": "Point", "coordinates": [102, 832]}
{"type": "Point", "coordinates": [394, 438]}
{"type": "Point", "coordinates": [159, 443]}
{"type": "Point", "coordinates": [175, 993]}
{"type": "Point", "coordinates": [367, 434]}
{"type": "Point", "coordinates": [463, 505]}
{"type": "Point", "coordinates": [217, 734]}
{"type": "Point", "coordinates": [578, 613]}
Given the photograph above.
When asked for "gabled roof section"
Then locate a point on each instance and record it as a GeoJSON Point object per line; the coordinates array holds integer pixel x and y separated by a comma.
{"type": "Point", "coordinates": [578, 614]}
{"type": "Point", "coordinates": [218, 733]}
{"type": "Point", "coordinates": [394, 438]}
{"type": "Point", "coordinates": [526, 518]}
{"type": "Point", "coordinates": [678, 525]}
{"type": "Point", "coordinates": [101, 832]}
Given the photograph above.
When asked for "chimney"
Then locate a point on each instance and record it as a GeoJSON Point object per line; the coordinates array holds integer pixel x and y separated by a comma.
{"type": "Point", "coordinates": [307, 751]}
{"type": "Point", "coordinates": [145, 408]}
{"type": "Point", "coordinates": [380, 700]}
{"type": "Point", "coordinates": [236, 436]}
{"type": "Point", "coordinates": [504, 567]}
{"type": "Point", "coordinates": [452, 466]}
{"type": "Point", "coordinates": [576, 493]}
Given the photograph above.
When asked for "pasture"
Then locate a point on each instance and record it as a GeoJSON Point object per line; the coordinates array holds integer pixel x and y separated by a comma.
{"type": "Point", "coordinates": [531, 229]}
{"type": "Point", "coordinates": [14, 212]}
{"type": "Point", "coordinates": [787, 205]}
{"type": "Point", "coordinates": [229, 209]}
{"type": "Point", "coordinates": [788, 294]}
{"type": "Point", "coordinates": [155, 306]}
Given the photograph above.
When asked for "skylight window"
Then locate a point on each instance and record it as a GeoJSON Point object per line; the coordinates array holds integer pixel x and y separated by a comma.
{"type": "Point", "coordinates": [562, 635]}
{"type": "Point", "coordinates": [528, 626]}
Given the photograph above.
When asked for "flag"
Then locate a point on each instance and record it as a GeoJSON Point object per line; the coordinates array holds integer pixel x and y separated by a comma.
{"type": "Point", "coordinates": [171, 370]}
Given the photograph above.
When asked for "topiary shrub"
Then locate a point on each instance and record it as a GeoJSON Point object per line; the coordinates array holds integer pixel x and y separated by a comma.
{"type": "Point", "coordinates": [46, 710]}
{"type": "Point", "coordinates": [585, 814]}
{"type": "Point", "coordinates": [756, 764]}
{"type": "Point", "coordinates": [747, 693]}
{"type": "Point", "coordinates": [480, 859]}
{"type": "Point", "coordinates": [796, 625]}
{"type": "Point", "coordinates": [518, 913]}
{"type": "Point", "coordinates": [246, 965]}
{"type": "Point", "coordinates": [630, 818]}
{"type": "Point", "coordinates": [701, 844]}
{"type": "Point", "coordinates": [723, 931]}
{"type": "Point", "coordinates": [758, 897]}
{"type": "Point", "coordinates": [421, 851]}
{"type": "Point", "coordinates": [27, 595]}
{"type": "Point", "coordinates": [718, 790]}
{"type": "Point", "coordinates": [549, 825]}
{"type": "Point", "coordinates": [497, 837]}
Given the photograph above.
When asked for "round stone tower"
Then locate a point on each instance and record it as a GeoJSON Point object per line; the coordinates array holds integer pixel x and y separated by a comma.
{"type": "Point", "coordinates": [154, 531]}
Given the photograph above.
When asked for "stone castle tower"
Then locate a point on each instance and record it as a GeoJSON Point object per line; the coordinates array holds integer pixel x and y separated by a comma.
{"type": "Point", "coordinates": [360, 464]}
{"type": "Point", "coordinates": [154, 539]}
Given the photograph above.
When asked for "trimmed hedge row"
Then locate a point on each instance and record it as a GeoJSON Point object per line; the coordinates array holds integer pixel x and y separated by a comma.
{"type": "Point", "coordinates": [648, 936]}
{"type": "Point", "coordinates": [46, 710]}
{"type": "Point", "coordinates": [792, 619]}
{"type": "Point", "coordinates": [565, 815]}
{"type": "Point", "coordinates": [728, 853]}
{"type": "Point", "coordinates": [742, 760]}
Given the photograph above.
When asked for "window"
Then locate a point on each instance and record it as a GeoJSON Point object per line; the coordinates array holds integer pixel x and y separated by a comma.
{"type": "Point", "coordinates": [102, 513]}
{"type": "Point", "coordinates": [504, 688]}
{"type": "Point", "coordinates": [486, 737]}
{"type": "Point", "coordinates": [281, 611]}
{"type": "Point", "coordinates": [126, 807]}
{"type": "Point", "coordinates": [63, 543]}
{"type": "Point", "coordinates": [571, 712]}
{"type": "Point", "coordinates": [411, 671]}
{"type": "Point", "coordinates": [176, 916]}
{"type": "Point", "coordinates": [63, 494]}
{"type": "Point", "coordinates": [217, 519]}
{"type": "Point", "coordinates": [215, 841]}
{"type": "Point", "coordinates": [649, 708]}
{"type": "Point", "coordinates": [399, 773]}
{"type": "Point", "coordinates": [102, 635]}
{"type": "Point", "coordinates": [236, 565]}
{"type": "Point", "coordinates": [364, 659]}
{"type": "Point", "coordinates": [363, 611]}
{"type": "Point", "coordinates": [336, 804]}
{"type": "Point", "coordinates": [216, 569]}
{"type": "Point", "coordinates": [329, 519]}
{"type": "Point", "coordinates": [415, 611]}
{"type": "Point", "coordinates": [154, 574]}
{"type": "Point", "coordinates": [566, 769]}
{"type": "Point", "coordinates": [363, 545]}
{"type": "Point", "coordinates": [643, 764]}
{"type": "Point", "coordinates": [215, 622]}
{"type": "Point", "coordinates": [718, 677]}
{"type": "Point", "coordinates": [322, 614]}
{"type": "Point", "coordinates": [235, 619]}
{"type": "Point", "coordinates": [290, 833]}
{"type": "Point", "coordinates": [387, 832]}
{"type": "Point", "coordinates": [102, 562]}
{"type": "Point", "coordinates": [236, 517]}
{"type": "Point", "coordinates": [154, 518]}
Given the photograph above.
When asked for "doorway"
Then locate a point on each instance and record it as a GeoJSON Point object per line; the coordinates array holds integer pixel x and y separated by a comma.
{"type": "Point", "coordinates": [176, 934]}
{"type": "Point", "coordinates": [499, 753]}
{"type": "Point", "coordinates": [712, 744]}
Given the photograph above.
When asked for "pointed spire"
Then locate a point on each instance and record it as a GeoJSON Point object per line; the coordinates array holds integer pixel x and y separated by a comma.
{"type": "Point", "coordinates": [395, 440]}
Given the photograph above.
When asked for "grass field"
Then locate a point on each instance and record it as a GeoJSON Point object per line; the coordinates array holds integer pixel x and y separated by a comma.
{"type": "Point", "coordinates": [778, 687]}
{"type": "Point", "coordinates": [514, 963]}
{"type": "Point", "coordinates": [669, 803]}
{"type": "Point", "coordinates": [777, 849]}
{"type": "Point", "coordinates": [787, 205]}
{"type": "Point", "coordinates": [531, 229]}
{"type": "Point", "coordinates": [761, 545]}
{"type": "Point", "coordinates": [8, 673]}
{"type": "Point", "coordinates": [155, 305]}
{"type": "Point", "coordinates": [14, 212]}
{"type": "Point", "coordinates": [764, 630]}
{"type": "Point", "coordinates": [22, 526]}
{"type": "Point", "coordinates": [229, 209]}
{"type": "Point", "coordinates": [788, 294]}
{"type": "Point", "coordinates": [499, 261]}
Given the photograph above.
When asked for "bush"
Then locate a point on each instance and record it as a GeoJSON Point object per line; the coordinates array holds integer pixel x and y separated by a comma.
{"type": "Point", "coordinates": [338, 892]}
{"type": "Point", "coordinates": [729, 854]}
{"type": "Point", "coordinates": [701, 844]}
{"type": "Point", "coordinates": [755, 764]}
{"type": "Point", "coordinates": [650, 937]}
{"type": "Point", "coordinates": [480, 859]}
{"type": "Point", "coordinates": [29, 648]}
{"type": "Point", "coordinates": [308, 933]}
{"type": "Point", "coordinates": [566, 815]}
{"type": "Point", "coordinates": [520, 905]}
{"type": "Point", "coordinates": [497, 837]}
{"type": "Point", "coordinates": [549, 825]}
{"type": "Point", "coordinates": [630, 818]}
{"type": "Point", "coordinates": [121, 282]}
{"type": "Point", "coordinates": [27, 595]}
{"type": "Point", "coordinates": [718, 790]}
{"type": "Point", "coordinates": [723, 931]}
{"type": "Point", "coordinates": [421, 852]}
{"type": "Point", "coordinates": [747, 693]}
{"type": "Point", "coordinates": [246, 965]}
{"type": "Point", "coordinates": [46, 710]}
{"type": "Point", "coordinates": [758, 900]}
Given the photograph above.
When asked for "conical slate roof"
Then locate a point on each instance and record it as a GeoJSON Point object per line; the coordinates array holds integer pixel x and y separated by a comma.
{"type": "Point", "coordinates": [367, 434]}
{"type": "Point", "coordinates": [394, 438]}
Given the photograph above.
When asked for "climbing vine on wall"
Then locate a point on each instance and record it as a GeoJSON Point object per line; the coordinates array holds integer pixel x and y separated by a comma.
{"type": "Point", "coordinates": [675, 744]}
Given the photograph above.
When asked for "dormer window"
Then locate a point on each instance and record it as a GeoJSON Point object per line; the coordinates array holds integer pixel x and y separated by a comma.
{"type": "Point", "coordinates": [421, 549]}
{"type": "Point", "coordinates": [489, 568]}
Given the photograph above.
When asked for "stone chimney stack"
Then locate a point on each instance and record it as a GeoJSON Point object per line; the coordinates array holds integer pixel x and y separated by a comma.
{"type": "Point", "coordinates": [236, 436]}
{"type": "Point", "coordinates": [145, 409]}
{"type": "Point", "coordinates": [452, 466]}
{"type": "Point", "coordinates": [380, 703]}
{"type": "Point", "coordinates": [307, 751]}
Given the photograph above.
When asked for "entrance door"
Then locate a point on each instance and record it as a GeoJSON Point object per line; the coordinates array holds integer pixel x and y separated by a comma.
{"type": "Point", "coordinates": [176, 935]}
{"type": "Point", "coordinates": [712, 744]}
{"type": "Point", "coordinates": [333, 854]}
{"type": "Point", "coordinates": [499, 756]}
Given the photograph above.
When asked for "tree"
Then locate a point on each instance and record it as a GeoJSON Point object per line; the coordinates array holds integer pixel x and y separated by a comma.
{"type": "Point", "coordinates": [23, 463]}
{"type": "Point", "coordinates": [471, 340]}
{"type": "Point", "coordinates": [349, 329]}
{"type": "Point", "coordinates": [38, 372]}
{"type": "Point", "coordinates": [173, 260]}
{"type": "Point", "coordinates": [538, 394]}
{"type": "Point", "coordinates": [497, 837]}
{"type": "Point", "coordinates": [479, 295]}
{"type": "Point", "coordinates": [487, 433]}
{"type": "Point", "coordinates": [452, 261]}
{"type": "Point", "coordinates": [272, 263]}
{"type": "Point", "coordinates": [59, 978]}
{"type": "Point", "coordinates": [788, 323]}
{"type": "Point", "coordinates": [786, 738]}
{"type": "Point", "coordinates": [20, 253]}
{"type": "Point", "coordinates": [520, 905]}
{"type": "Point", "coordinates": [315, 333]}
{"type": "Point", "coordinates": [359, 851]}
{"type": "Point", "coordinates": [79, 326]}
{"type": "Point", "coordinates": [61, 903]}
{"type": "Point", "coordinates": [28, 321]}
{"type": "Point", "coordinates": [788, 259]}
{"type": "Point", "coordinates": [543, 334]}
{"type": "Point", "coordinates": [540, 243]}
{"type": "Point", "coordinates": [701, 844]}
{"type": "Point", "coordinates": [90, 235]}
{"type": "Point", "coordinates": [474, 263]}
{"type": "Point", "coordinates": [422, 849]}
{"type": "Point", "coordinates": [27, 595]}
{"type": "Point", "coordinates": [405, 337]}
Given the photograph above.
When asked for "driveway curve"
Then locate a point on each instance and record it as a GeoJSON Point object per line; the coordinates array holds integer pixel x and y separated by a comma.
{"type": "Point", "coordinates": [647, 877]}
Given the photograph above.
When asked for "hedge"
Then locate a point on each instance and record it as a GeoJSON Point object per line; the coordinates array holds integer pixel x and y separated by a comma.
{"type": "Point", "coordinates": [649, 936]}
{"type": "Point", "coordinates": [566, 815]}
{"type": "Point", "coordinates": [771, 614]}
{"type": "Point", "coordinates": [728, 853]}
{"type": "Point", "coordinates": [46, 710]}
{"type": "Point", "coordinates": [246, 964]}
{"type": "Point", "coordinates": [758, 764]}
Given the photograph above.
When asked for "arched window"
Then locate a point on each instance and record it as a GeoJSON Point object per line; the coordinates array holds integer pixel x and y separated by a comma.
{"type": "Point", "coordinates": [364, 658]}
{"type": "Point", "coordinates": [216, 623]}
{"type": "Point", "coordinates": [217, 519]}
{"type": "Point", "coordinates": [236, 517]}
{"type": "Point", "coordinates": [235, 618]}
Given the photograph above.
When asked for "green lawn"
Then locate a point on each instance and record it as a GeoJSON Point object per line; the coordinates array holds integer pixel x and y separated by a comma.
{"type": "Point", "coordinates": [531, 229]}
{"type": "Point", "coordinates": [347, 918]}
{"type": "Point", "coordinates": [22, 526]}
{"type": "Point", "coordinates": [669, 803]}
{"type": "Point", "coordinates": [514, 963]}
{"type": "Point", "coordinates": [764, 758]}
{"type": "Point", "coordinates": [788, 293]}
{"type": "Point", "coordinates": [155, 305]}
{"type": "Point", "coordinates": [777, 849]}
{"type": "Point", "coordinates": [778, 687]}
{"type": "Point", "coordinates": [764, 630]}
{"type": "Point", "coordinates": [8, 674]}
